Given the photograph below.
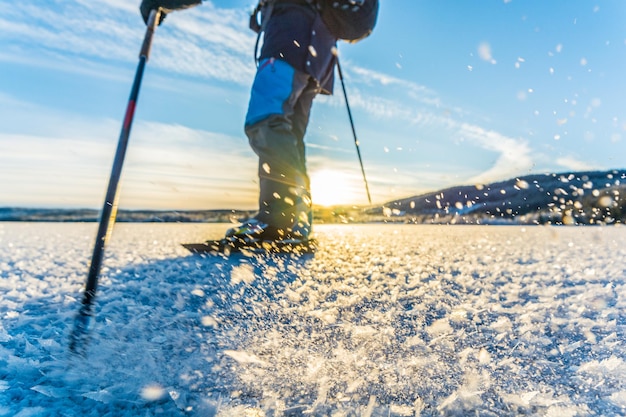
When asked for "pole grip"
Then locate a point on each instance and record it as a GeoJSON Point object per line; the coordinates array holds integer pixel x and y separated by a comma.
{"type": "Point", "coordinates": [153, 21]}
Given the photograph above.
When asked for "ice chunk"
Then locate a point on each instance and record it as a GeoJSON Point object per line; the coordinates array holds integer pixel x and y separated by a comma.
{"type": "Point", "coordinates": [102, 396]}
{"type": "Point", "coordinates": [440, 327]}
{"type": "Point", "coordinates": [619, 399]}
{"type": "Point", "coordinates": [53, 392]}
{"type": "Point", "coordinates": [244, 357]}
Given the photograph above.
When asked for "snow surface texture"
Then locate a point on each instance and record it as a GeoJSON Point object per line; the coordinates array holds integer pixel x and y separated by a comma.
{"type": "Point", "coordinates": [383, 321]}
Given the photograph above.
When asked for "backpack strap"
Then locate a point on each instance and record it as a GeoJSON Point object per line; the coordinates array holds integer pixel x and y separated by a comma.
{"type": "Point", "coordinates": [258, 21]}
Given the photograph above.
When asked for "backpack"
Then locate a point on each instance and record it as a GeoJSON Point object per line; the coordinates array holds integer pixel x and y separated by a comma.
{"type": "Point", "coordinates": [349, 20]}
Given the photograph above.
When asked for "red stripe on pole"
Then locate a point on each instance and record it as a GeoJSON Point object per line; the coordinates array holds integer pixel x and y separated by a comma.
{"type": "Point", "coordinates": [130, 111]}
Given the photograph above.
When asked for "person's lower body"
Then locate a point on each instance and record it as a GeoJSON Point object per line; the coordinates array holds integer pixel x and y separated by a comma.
{"type": "Point", "coordinates": [278, 114]}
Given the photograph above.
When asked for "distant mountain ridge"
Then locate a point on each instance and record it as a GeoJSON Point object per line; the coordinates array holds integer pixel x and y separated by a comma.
{"type": "Point", "coordinates": [589, 197]}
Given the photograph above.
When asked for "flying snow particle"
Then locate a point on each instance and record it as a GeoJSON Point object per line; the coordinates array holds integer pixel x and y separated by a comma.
{"type": "Point", "coordinates": [605, 201]}
{"type": "Point", "coordinates": [484, 357]}
{"type": "Point", "coordinates": [198, 292]}
{"type": "Point", "coordinates": [522, 184]}
{"type": "Point", "coordinates": [242, 273]}
{"type": "Point", "coordinates": [152, 392]}
{"type": "Point", "coordinates": [484, 52]}
{"type": "Point", "coordinates": [209, 321]}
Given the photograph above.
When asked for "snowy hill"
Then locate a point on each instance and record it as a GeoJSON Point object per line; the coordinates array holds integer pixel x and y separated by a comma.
{"type": "Point", "coordinates": [565, 198]}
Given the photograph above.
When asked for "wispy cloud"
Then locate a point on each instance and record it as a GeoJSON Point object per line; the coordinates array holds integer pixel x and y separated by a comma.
{"type": "Point", "coordinates": [420, 93]}
{"type": "Point", "coordinates": [572, 163]}
{"type": "Point", "coordinates": [394, 99]}
{"type": "Point", "coordinates": [206, 41]}
{"type": "Point", "coordinates": [167, 166]}
{"type": "Point", "coordinates": [71, 29]}
{"type": "Point", "coordinates": [408, 102]}
{"type": "Point", "coordinates": [514, 155]}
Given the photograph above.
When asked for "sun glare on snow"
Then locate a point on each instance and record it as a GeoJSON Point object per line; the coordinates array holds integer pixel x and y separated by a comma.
{"type": "Point", "coordinates": [329, 188]}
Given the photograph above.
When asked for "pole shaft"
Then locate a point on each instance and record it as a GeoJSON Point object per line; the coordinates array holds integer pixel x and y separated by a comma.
{"type": "Point", "coordinates": [356, 141]}
{"type": "Point", "coordinates": [109, 208]}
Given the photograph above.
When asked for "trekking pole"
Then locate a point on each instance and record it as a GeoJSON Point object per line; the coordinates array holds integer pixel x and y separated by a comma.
{"type": "Point", "coordinates": [356, 141]}
{"type": "Point", "coordinates": [79, 334]}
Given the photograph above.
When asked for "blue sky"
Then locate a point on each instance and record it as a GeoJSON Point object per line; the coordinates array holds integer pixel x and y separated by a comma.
{"type": "Point", "coordinates": [443, 93]}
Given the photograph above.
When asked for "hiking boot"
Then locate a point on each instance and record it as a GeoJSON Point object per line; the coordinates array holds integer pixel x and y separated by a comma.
{"type": "Point", "coordinates": [254, 230]}
{"type": "Point", "coordinates": [301, 229]}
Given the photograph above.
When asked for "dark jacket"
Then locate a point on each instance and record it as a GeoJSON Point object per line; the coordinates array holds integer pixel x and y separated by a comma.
{"type": "Point", "coordinates": [296, 34]}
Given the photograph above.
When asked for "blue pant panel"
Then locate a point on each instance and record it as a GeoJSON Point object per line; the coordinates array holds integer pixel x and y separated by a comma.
{"type": "Point", "coordinates": [272, 87]}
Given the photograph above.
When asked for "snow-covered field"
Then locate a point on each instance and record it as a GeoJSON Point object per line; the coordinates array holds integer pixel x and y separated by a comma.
{"type": "Point", "coordinates": [384, 320]}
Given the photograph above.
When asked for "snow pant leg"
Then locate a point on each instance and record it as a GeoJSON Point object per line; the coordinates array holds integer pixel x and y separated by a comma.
{"type": "Point", "coordinates": [276, 122]}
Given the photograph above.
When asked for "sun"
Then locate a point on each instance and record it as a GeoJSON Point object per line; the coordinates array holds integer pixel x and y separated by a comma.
{"type": "Point", "coordinates": [330, 188]}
